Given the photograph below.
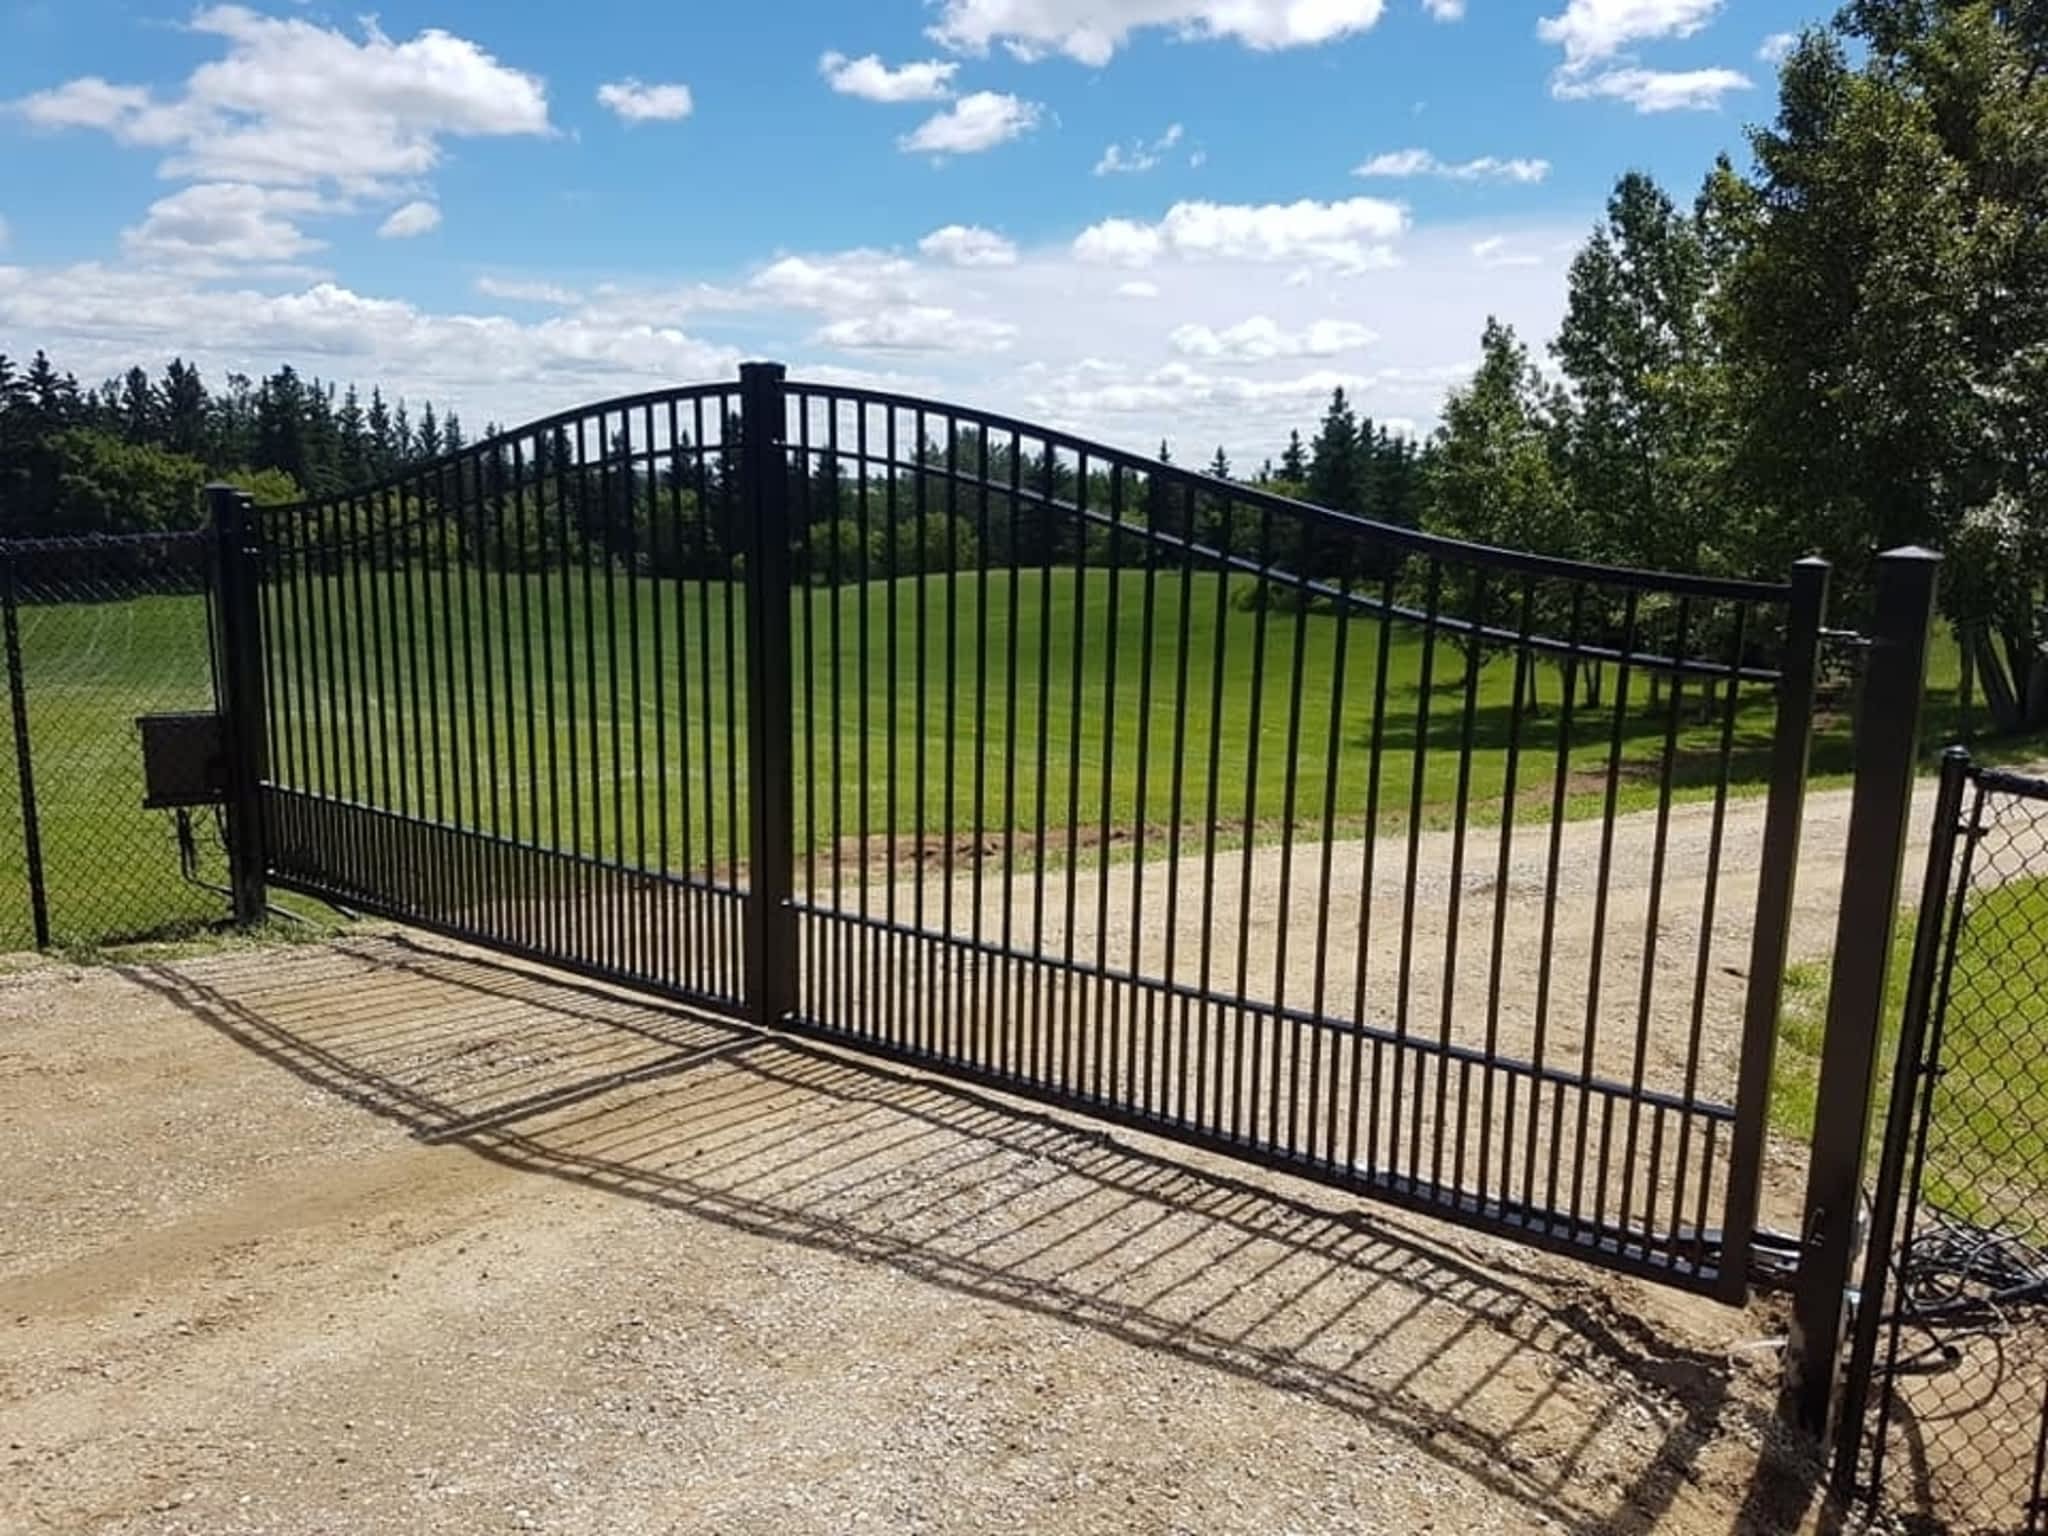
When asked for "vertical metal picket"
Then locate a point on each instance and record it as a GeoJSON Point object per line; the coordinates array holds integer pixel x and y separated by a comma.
{"type": "Point", "coordinates": [241, 655]}
{"type": "Point", "coordinates": [24, 759]}
{"type": "Point", "coordinates": [771, 928]}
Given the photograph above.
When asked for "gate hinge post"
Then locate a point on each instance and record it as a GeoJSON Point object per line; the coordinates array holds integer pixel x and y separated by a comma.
{"type": "Point", "coordinates": [239, 575]}
{"type": "Point", "coordinates": [771, 929]}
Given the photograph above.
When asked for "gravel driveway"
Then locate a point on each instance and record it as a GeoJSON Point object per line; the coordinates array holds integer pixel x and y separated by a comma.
{"type": "Point", "coordinates": [388, 1236]}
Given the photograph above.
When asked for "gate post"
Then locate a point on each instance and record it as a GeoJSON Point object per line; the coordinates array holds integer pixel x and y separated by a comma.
{"type": "Point", "coordinates": [1887, 741]}
{"type": "Point", "coordinates": [241, 683]}
{"type": "Point", "coordinates": [24, 757]}
{"type": "Point", "coordinates": [771, 758]}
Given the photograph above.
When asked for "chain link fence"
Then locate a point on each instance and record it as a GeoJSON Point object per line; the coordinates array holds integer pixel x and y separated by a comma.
{"type": "Point", "coordinates": [100, 631]}
{"type": "Point", "coordinates": [1959, 1435]}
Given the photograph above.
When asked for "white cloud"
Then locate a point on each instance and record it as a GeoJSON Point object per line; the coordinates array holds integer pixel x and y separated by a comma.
{"type": "Point", "coordinates": [972, 124]}
{"type": "Point", "coordinates": [1351, 234]}
{"type": "Point", "coordinates": [202, 228]}
{"type": "Point", "coordinates": [1772, 50]}
{"type": "Point", "coordinates": [917, 328]}
{"type": "Point", "coordinates": [520, 291]}
{"type": "Point", "coordinates": [841, 281]}
{"type": "Point", "coordinates": [293, 103]}
{"type": "Point", "coordinates": [1091, 31]}
{"type": "Point", "coordinates": [1420, 162]}
{"type": "Point", "coordinates": [1119, 243]}
{"type": "Point", "coordinates": [1048, 337]}
{"type": "Point", "coordinates": [1592, 30]}
{"type": "Point", "coordinates": [635, 102]}
{"type": "Point", "coordinates": [415, 218]}
{"type": "Point", "coordinates": [487, 365]}
{"type": "Point", "coordinates": [1138, 156]}
{"type": "Point", "coordinates": [968, 246]}
{"type": "Point", "coordinates": [1261, 338]}
{"type": "Point", "coordinates": [1497, 251]}
{"type": "Point", "coordinates": [872, 80]}
{"type": "Point", "coordinates": [1654, 90]}
{"type": "Point", "coordinates": [1445, 10]}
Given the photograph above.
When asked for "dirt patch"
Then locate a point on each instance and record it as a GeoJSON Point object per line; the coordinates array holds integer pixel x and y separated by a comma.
{"type": "Point", "coordinates": [387, 1236]}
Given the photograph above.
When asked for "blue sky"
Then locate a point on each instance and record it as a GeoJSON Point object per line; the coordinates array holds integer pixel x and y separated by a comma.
{"type": "Point", "coordinates": [1144, 218]}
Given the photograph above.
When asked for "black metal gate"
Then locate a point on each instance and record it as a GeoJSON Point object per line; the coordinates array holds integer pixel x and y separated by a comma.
{"type": "Point", "coordinates": [1412, 866]}
{"type": "Point", "coordinates": [1945, 1411]}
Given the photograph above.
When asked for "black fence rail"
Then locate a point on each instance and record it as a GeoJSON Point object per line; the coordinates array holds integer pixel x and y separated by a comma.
{"type": "Point", "coordinates": [99, 631]}
{"type": "Point", "coordinates": [1946, 1395]}
{"type": "Point", "coordinates": [1421, 868]}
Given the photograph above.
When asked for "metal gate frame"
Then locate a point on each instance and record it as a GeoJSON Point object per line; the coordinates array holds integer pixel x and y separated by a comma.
{"type": "Point", "coordinates": [422, 869]}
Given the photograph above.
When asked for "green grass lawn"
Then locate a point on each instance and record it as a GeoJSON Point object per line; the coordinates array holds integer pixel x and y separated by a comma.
{"type": "Point", "coordinates": [1988, 1154]}
{"type": "Point", "coordinates": [904, 729]}
{"type": "Point", "coordinates": [873, 748]}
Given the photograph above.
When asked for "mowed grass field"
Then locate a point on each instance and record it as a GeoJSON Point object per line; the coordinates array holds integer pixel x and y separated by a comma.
{"type": "Point", "coordinates": [489, 700]}
{"type": "Point", "coordinates": [1988, 1150]}
{"type": "Point", "coordinates": [112, 867]}
{"type": "Point", "coordinates": [1127, 694]}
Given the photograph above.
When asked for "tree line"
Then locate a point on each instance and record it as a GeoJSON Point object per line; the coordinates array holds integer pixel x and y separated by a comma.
{"type": "Point", "coordinates": [130, 455]}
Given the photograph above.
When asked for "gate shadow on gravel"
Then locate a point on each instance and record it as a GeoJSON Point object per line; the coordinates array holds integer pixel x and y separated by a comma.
{"type": "Point", "coordinates": [1481, 1369]}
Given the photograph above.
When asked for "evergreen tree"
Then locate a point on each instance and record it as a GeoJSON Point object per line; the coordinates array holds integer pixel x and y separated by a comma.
{"type": "Point", "coordinates": [1294, 461]}
{"type": "Point", "coordinates": [184, 406]}
{"type": "Point", "coordinates": [139, 415]}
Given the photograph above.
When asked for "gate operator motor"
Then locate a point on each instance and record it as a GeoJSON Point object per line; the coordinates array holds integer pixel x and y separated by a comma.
{"type": "Point", "coordinates": [184, 760]}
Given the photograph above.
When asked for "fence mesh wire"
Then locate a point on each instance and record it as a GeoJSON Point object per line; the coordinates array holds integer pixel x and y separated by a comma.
{"type": "Point", "coordinates": [105, 630]}
{"type": "Point", "coordinates": [1962, 1428]}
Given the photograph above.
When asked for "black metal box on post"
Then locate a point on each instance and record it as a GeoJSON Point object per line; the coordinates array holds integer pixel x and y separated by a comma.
{"type": "Point", "coordinates": [184, 760]}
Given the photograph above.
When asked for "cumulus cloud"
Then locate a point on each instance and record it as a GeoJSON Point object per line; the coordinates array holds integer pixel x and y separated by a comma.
{"type": "Point", "coordinates": [201, 228]}
{"type": "Point", "coordinates": [1592, 30]}
{"type": "Point", "coordinates": [487, 365]}
{"type": "Point", "coordinates": [1137, 156]}
{"type": "Point", "coordinates": [1773, 49]}
{"type": "Point", "coordinates": [1261, 338]}
{"type": "Point", "coordinates": [1420, 162]}
{"type": "Point", "coordinates": [968, 246]}
{"type": "Point", "coordinates": [635, 102]}
{"type": "Point", "coordinates": [414, 218]}
{"type": "Point", "coordinates": [293, 103]}
{"type": "Point", "coordinates": [1445, 10]}
{"type": "Point", "coordinates": [972, 124]}
{"type": "Point", "coordinates": [1654, 90]}
{"type": "Point", "coordinates": [842, 280]}
{"type": "Point", "coordinates": [1137, 288]}
{"type": "Point", "coordinates": [917, 328]}
{"type": "Point", "coordinates": [1352, 233]}
{"type": "Point", "coordinates": [870, 79]}
{"type": "Point", "coordinates": [1091, 31]}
